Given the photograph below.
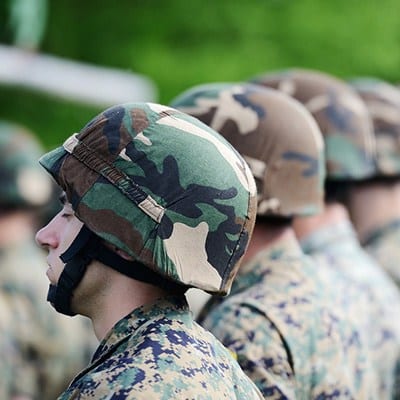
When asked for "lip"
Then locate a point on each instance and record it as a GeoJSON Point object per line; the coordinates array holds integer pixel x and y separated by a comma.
{"type": "Point", "coordinates": [48, 273]}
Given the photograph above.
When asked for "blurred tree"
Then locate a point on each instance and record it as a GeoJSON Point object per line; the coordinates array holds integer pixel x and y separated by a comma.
{"type": "Point", "coordinates": [181, 43]}
{"type": "Point", "coordinates": [23, 22]}
{"type": "Point", "coordinates": [28, 22]}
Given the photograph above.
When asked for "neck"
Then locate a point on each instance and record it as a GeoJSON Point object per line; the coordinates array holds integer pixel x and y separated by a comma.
{"type": "Point", "coordinates": [106, 296]}
{"type": "Point", "coordinates": [15, 227]}
{"type": "Point", "coordinates": [374, 205]}
{"type": "Point", "coordinates": [332, 213]}
{"type": "Point", "coordinates": [265, 236]}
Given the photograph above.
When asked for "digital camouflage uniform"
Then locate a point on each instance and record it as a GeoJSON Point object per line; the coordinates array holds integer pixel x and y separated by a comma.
{"type": "Point", "coordinates": [337, 247]}
{"type": "Point", "coordinates": [48, 351]}
{"type": "Point", "coordinates": [350, 150]}
{"type": "Point", "coordinates": [279, 319]}
{"type": "Point", "coordinates": [9, 354]}
{"type": "Point", "coordinates": [159, 352]}
{"type": "Point", "coordinates": [175, 196]}
{"type": "Point", "coordinates": [293, 336]}
{"type": "Point", "coordinates": [383, 244]}
{"type": "Point", "coordinates": [383, 103]}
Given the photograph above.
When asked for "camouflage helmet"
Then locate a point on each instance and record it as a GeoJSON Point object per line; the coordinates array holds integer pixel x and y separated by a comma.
{"type": "Point", "coordinates": [383, 103]}
{"type": "Point", "coordinates": [275, 134]}
{"type": "Point", "coordinates": [164, 188]}
{"type": "Point", "coordinates": [340, 114]}
{"type": "Point", "coordinates": [23, 183]}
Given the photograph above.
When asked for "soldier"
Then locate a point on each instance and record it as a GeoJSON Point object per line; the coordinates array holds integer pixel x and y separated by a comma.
{"type": "Point", "coordinates": [374, 203]}
{"type": "Point", "coordinates": [9, 354]}
{"type": "Point", "coordinates": [155, 202]}
{"type": "Point", "coordinates": [48, 354]}
{"type": "Point", "coordinates": [330, 238]}
{"type": "Point", "coordinates": [279, 319]}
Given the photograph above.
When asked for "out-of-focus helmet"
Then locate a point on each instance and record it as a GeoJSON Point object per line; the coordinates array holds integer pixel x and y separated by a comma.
{"type": "Point", "coordinates": [341, 115]}
{"type": "Point", "coordinates": [383, 102]}
{"type": "Point", "coordinates": [164, 188]}
{"type": "Point", "coordinates": [275, 134]}
{"type": "Point", "coordinates": [23, 183]}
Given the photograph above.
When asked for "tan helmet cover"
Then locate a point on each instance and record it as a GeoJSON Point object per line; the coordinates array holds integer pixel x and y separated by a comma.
{"type": "Point", "coordinates": [275, 134]}
{"type": "Point", "coordinates": [383, 102]}
{"type": "Point", "coordinates": [341, 116]}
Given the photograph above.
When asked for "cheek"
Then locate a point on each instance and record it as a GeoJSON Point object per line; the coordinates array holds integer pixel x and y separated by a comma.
{"type": "Point", "coordinates": [93, 286]}
{"type": "Point", "coordinates": [96, 278]}
{"type": "Point", "coordinates": [68, 237]}
{"type": "Point", "coordinates": [68, 234]}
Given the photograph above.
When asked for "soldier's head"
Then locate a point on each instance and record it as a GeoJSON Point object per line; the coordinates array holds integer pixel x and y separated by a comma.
{"type": "Point", "coordinates": [24, 185]}
{"type": "Point", "coordinates": [383, 103]}
{"type": "Point", "coordinates": [342, 118]}
{"type": "Point", "coordinates": [275, 134]}
{"type": "Point", "coordinates": [161, 188]}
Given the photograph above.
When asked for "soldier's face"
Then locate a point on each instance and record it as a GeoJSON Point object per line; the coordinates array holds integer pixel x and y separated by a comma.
{"type": "Point", "coordinates": [56, 237]}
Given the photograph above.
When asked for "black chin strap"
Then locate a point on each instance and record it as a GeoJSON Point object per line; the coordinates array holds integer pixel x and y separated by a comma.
{"type": "Point", "coordinates": [88, 247]}
{"type": "Point", "coordinates": [77, 257]}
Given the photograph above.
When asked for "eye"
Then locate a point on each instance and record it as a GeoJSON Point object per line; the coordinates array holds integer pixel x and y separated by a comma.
{"type": "Point", "coordinates": [66, 212]}
{"type": "Point", "coordinates": [66, 215]}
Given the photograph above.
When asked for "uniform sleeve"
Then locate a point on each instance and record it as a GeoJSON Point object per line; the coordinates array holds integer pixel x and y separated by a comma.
{"type": "Point", "coordinates": [7, 357]}
{"type": "Point", "coordinates": [19, 369]}
{"type": "Point", "coordinates": [257, 345]}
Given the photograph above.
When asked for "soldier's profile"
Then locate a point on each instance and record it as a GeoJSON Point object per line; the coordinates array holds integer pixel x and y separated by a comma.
{"type": "Point", "coordinates": [147, 215]}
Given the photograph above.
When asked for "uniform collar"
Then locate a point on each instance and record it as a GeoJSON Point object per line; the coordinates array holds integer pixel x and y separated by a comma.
{"type": "Point", "coordinates": [381, 231]}
{"type": "Point", "coordinates": [131, 323]}
{"type": "Point", "coordinates": [337, 234]}
{"type": "Point", "coordinates": [286, 250]}
{"type": "Point", "coordinates": [125, 328]}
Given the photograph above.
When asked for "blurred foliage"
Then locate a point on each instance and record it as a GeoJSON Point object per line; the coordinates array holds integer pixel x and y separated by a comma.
{"type": "Point", "coordinates": [52, 119]}
{"type": "Point", "coordinates": [181, 43]}
{"type": "Point", "coordinates": [27, 22]}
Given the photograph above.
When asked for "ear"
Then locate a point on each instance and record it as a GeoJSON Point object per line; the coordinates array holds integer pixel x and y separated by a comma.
{"type": "Point", "coordinates": [123, 254]}
{"type": "Point", "coordinates": [118, 251]}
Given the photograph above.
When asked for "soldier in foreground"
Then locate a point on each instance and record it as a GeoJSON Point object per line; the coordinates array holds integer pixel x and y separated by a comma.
{"type": "Point", "coordinates": [361, 284]}
{"type": "Point", "coordinates": [155, 202]}
{"type": "Point", "coordinates": [374, 203]}
{"type": "Point", "coordinates": [47, 352]}
{"type": "Point", "coordinates": [279, 319]}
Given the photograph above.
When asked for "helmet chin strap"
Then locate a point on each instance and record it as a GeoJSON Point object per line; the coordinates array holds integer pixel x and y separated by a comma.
{"type": "Point", "coordinates": [87, 247]}
{"type": "Point", "coordinates": [76, 258]}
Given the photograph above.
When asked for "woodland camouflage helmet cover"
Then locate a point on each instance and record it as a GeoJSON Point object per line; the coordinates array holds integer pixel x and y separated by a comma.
{"type": "Point", "coordinates": [23, 183]}
{"type": "Point", "coordinates": [275, 134]}
{"type": "Point", "coordinates": [383, 102]}
{"type": "Point", "coordinates": [163, 187]}
{"type": "Point", "coordinates": [341, 115]}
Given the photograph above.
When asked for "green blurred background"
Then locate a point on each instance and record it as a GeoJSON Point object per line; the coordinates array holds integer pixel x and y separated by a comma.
{"type": "Point", "coordinates": [180, 43]}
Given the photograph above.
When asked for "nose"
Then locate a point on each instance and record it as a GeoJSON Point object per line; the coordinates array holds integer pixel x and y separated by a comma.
{"type": "Point", "coordinates": [46, 237]}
